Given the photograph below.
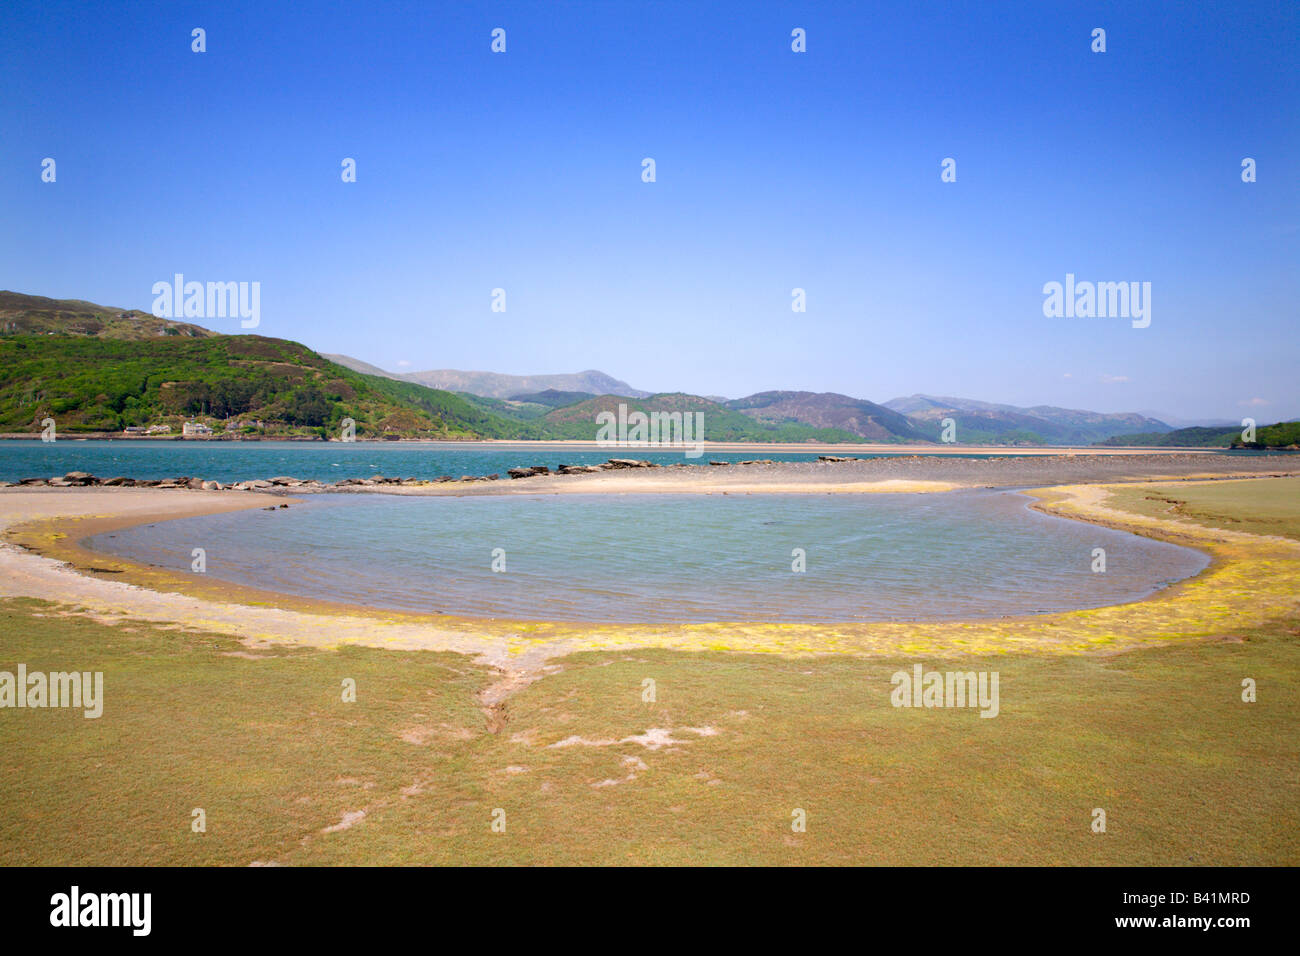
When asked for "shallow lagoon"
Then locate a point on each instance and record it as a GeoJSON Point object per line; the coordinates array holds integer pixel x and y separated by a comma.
{"type": "Point", "coordinates": [666, 558]}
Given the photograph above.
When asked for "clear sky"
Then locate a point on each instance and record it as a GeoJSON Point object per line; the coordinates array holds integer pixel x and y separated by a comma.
{"type": "Point", "coordinates": [775, 170]}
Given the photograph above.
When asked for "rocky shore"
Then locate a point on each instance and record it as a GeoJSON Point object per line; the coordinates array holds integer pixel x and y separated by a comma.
{"type": "Point", "coordinates": [82, 479]}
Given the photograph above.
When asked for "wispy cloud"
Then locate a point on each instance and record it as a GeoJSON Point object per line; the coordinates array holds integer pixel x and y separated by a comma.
{"type": "Point", "coordinates": [1255, 402]}
{"type": "Point", "coordinates": [1112, 379]}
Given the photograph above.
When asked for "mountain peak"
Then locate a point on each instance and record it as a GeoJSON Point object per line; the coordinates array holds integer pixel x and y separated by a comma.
{"type": "Point", "coordinates": [500, 385]}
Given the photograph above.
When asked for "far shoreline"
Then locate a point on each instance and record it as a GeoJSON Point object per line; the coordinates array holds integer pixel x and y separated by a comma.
{"type": "Point", "coordinates": [578, 444]}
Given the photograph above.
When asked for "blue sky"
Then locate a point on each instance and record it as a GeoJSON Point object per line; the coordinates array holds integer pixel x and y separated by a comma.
{"type": "Point", "coordinates": [775, 170]}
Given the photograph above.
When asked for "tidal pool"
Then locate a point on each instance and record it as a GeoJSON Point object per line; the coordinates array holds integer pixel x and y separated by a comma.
{"type": "Point", "coordinates": [672, 558]}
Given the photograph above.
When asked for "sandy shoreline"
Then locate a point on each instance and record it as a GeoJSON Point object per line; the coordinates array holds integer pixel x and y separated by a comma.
{"type": "Point", "coordinates": [1251, 579]}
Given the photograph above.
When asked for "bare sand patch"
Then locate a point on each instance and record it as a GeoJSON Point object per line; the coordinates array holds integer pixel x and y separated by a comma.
{"type": "Point", "coordinates": [349, 820]}
{"type": "Point", "coordinates": [635, 767]}
{"type": "Point", "coordinates": [656, 738]}
{"type": "Point", "coordinates": [422, 734]}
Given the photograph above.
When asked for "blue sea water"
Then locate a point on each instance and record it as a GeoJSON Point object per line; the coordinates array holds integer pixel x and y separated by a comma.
{"type": "Point", "coordinates": [325, 461]}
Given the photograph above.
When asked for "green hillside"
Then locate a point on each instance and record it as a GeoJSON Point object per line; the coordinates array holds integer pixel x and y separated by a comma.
{"type": "Point", "coordinates": [515, 411]}
{"type": "Point", "coordinates": [987, 423]}
{"type": "Point", "coordinates": [88, 383]}
{"type": "Point", "coordinates": [551, 398]}
{"type": "Point", "coordinates": [36, 315]}
{"type": "Point", "coordinates": [1279, 435]}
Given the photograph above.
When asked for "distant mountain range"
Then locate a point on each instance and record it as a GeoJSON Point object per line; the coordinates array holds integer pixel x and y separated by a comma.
{"type": "Point", "coordinates": [981, 422]}
{"type": "Point", "coordinates": [97, 368]}
{"type": "Point", "coordinates": [722, 422]}
{"type": "Point", "coordinates": [1174, 421]}
{"type": "Point", "coordinates": [497, 385]}
{"type": "Point", "coordinates": [829, 410]}
{"type": "Point", "coordinates": [914, 418]}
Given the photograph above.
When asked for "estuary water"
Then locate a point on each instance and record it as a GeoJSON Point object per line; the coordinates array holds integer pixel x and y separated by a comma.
{"type": "Point", "coordinates": [324, 461]}
{"type": "Point", "coordinates": [668, 558]}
